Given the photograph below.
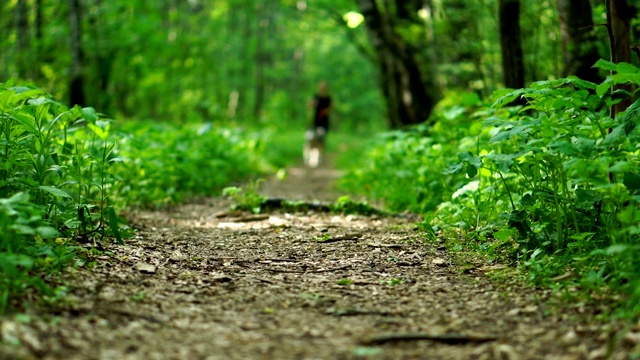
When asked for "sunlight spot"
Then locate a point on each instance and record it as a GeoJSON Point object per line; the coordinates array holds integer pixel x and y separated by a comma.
{"type": "Point", "coordinates": [469, 188]}
{"type": "Point", "coordinates": [424, 13]}
{"type": "Point", "coordinates": [172, 36]}
{"type": "Point", "coordinates": [353, 19]}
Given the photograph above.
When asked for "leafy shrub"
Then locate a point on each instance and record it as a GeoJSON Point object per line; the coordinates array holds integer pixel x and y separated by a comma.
{"type": "Point", "coordinates": [164, 163]}
{"type": "Point", "coordinates": [64, 172]}
{"type": "Point", "coordinates": [54, 181]}
{"type": "Point", "coordinates": [555, 182]}
{"type": "Point", "coordinates": [403, 168]}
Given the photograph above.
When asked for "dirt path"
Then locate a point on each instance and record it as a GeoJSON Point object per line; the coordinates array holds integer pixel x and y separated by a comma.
{"type": "Point", "coordinates": [195, 285]}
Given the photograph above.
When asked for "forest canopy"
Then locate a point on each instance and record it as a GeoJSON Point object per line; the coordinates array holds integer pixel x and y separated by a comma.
{"type": "Point", "coordinates": [258, 61]}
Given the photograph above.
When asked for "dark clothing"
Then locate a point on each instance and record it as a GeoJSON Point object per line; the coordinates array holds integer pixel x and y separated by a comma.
{"type": "Point", "coordinates": [321, 111]}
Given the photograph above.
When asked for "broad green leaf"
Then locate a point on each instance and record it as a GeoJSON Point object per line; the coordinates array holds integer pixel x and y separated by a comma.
{"type": "Point", "coordinates": [579, 83]}
{"type": "Point", "coordinates": [89, 114]}
{"type": "Point", "coordinates": [453, 169]}
{"type": "Point", "coordinates": [631, 117]}
{"type": "Point", "coordinates": [503, 234]}
{"type": "Point", "coordinates": [508, 98]}
{"type": "Point", "coordinates": [615, 136]}
{"type": "Point", "coordinates": [55, 191]}
{"type": "Point", "coordinates": [605, 65]}
{"type": "Point", "coordinates": [626, 68]}
{"type": "Point", "coordinates": [503, 162]}
{"type": "Point", "coordinates": [15, 260]}
{"type": "Point", "coordinates": [617, 249]}
{"type": "Point", "coordinates": [632, 181]}
{"type": "Point", "coordinates": [495, 121]}
{"type": "Point", "coordinates": [47, 232]}
{"type": "Point", "coordinates": [604, 87]}
{"type": "Point", "coordinates": [527, 200]}
{"type": "Point", "coordinates": [471, 170]}
{"type": "Point", "coordinates": [624, 78]}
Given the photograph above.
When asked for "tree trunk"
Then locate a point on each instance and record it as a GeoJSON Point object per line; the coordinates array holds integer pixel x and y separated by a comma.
{"type": "Point", "coordinates": [410, 92]}
{"type": "Point", "coordinates": [260, 61]}
{"type": "Point", "coordinates": [76, 76]}
{"type": "Point", "coordinates": [511, 43]}
{"type": "Point", "coordinates": [619, 15]}
{"type": "Point", "coordinates": [578, 42]}
{"type": "Point", "coordinates": [22, 39]}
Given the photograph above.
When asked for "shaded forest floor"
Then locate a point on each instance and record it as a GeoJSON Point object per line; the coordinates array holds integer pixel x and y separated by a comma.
{"type": "Point", "coordinates": [201, 282]}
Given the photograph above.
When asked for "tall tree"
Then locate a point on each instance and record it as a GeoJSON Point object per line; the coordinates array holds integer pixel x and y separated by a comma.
{"type": "Point", "coordinates": [410, 89]}
{"type": "Point", "coordinates": [511, 43]}
{"type": "Point", "coordinates": [579, 45]}
{"type": "Point", "coordinates": [619, 15]}
{"type": "Point", "coordinates": [76, 76]}
{"type": "Point", "coordinates": [23, 43]}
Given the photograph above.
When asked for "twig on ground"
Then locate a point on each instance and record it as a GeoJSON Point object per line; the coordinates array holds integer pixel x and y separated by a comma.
{"type": "Point", "coordinates": [340, 238]}
{"type": "Point", "coordinates": [308, 271]}
{"type": "Point", "coordinates": [451, 338]}
{"type": "Point", "coordinates": [250, 218]}
{"type": "Point", "coordinates": [391, 246]}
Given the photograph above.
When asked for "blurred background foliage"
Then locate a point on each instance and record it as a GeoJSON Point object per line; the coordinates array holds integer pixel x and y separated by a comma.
{"type": "Point", "coordinates": [208, 93]}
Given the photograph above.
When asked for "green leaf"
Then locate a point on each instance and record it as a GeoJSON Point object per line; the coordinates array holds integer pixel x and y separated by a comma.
{"type": "Point", "coordinates": [604, 87]}
{"type": "Point", "coordinates": [453, 169]}
{"type": "Point", "coordinates": [527, 200]}
{"type": "Point", "coordinates": [631, 117]}
{"type": "Point", "coordinates": [471, 170]}
{"type": "Point", "coordinates": [508, 98]}
{"type": "Point", "coordinates": [47, 232]}
{"type": "Point", "coordinates": [605, 65]}
{"type": "Point", "coordinates": [503, 235]}
{"type": "Point", "coordinates": [579, 83]}
{"type": "Point", "coordinates": [55, 191]}
{"type": "Point", "coordinates": [503, 162]}
{"type": "Point", "coordinates": [632, 182]}
{"type": "Point", "coordinates": [89, 114]}
{"type": "Point", "coordinates": [15, 260]}
{"type": "Point", "coordinates": [626, 68]}
{"type": "Point", "coordinates": [366, 351]}
{"type": "Point", "coordinates": [83, 220]}
{"type": "Point", "coordinates": [617, 249]}
{"type": "Point", "coordinates": [614, 136]}
{"type": "Point", "coordinates": [113, 224]}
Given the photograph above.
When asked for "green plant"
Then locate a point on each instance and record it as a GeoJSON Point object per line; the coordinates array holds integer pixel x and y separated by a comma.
{"type": "Point", "coordinates": [345, 205]}
{"type": "Point", "coordinates": [166, 163]}
{"type": "Point", "coordinates": [344, 282]}
{"type": "Point", "coordinates": [553, 185]}
{"type": "Point", "coordinates": [248, 200]}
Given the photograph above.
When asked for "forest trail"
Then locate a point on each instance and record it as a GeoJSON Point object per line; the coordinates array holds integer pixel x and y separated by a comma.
{"type": "Point", "coordinates": [202, 282]}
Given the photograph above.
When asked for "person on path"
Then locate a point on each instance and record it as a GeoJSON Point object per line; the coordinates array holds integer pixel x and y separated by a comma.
{"type": "Point", "coordinates": [321, 105]}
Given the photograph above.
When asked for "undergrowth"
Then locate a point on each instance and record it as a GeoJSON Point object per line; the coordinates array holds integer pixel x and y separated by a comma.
{"type": "Point", "coordinates": [66, 173]}
{"type": "Point", "coordinates": [553, 186]}
{"type": "Point", "coordinates": [248, 199]}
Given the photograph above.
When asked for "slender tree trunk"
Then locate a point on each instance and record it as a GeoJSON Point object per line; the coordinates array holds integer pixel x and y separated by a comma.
{"type": "Point", "coordinates": [619, 15]}
{"type": "Point", "coordinates": [76, 76]}
{"type": "Point", "coordinates": [411, 92]}
{"type": "Point", "coordinates": [263, 56]}
{"type": "Point", "coordinates": [511, 43]}
{"type": "Point", "coordinates": [260, 61]}
{"type": "Point", "coordinates": [23, 42]}
{"type": "Point", "coordinates": [102, 58]}
{"type": "Point", "coordinates": [579, 46]}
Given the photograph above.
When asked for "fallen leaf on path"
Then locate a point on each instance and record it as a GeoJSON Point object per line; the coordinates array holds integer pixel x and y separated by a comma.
{"type": "Point", "coordinates": [439, 262]}
{"type": "Point", "coordinates": [146, 268]}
